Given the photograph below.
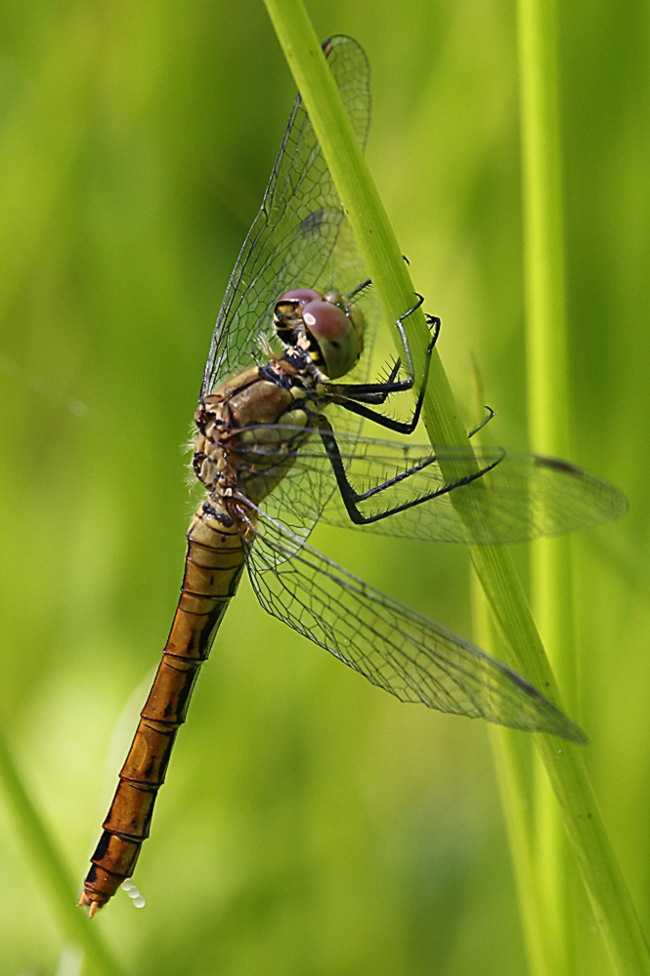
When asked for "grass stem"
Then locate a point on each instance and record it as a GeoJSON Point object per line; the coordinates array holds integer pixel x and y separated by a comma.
{"type": "Point", "coordinates": [51, 869]}
{"type": "Point", "coordinates": [548, 418]}
{"type": "Point", "coordinates": [494, 567]}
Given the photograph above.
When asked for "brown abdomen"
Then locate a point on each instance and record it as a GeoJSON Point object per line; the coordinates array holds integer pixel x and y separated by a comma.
{"type": "Point", "coordinates": [213, 566]}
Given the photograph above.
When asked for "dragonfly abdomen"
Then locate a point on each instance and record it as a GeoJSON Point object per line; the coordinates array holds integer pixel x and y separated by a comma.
{"type": "Point", "coordinates": [213, 566]}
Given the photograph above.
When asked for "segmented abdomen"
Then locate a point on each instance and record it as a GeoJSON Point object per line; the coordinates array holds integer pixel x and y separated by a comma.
{"type": "Point", "coordinates": [213, 566]}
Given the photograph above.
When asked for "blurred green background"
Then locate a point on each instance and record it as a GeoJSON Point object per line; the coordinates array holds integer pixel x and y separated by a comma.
{"type": "Point", "coordinates": [311, 825]}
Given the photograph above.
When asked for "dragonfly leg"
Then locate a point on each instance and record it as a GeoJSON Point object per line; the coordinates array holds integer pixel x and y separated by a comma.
{"type": "Point", "coordinates": [352, 498]}
{"type": "Point", "coordinates": [386, 387]}
{"type": "Point", "coordinates": [359, 288]}
{"type": "Point", "coordinates": [491, 414]}
{"type": "Point", "coordinates": [354, 397]}
{"type": "Point", "coordinates": [377, 392]}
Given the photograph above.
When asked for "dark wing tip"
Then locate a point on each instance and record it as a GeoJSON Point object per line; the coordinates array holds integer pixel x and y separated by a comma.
{"type": "Point", "coordinates": [548, 717]}
{"type": "Point", "coordinates": [335, 40]}
{"type": "Point", "coordinates": [613, 503]}
{"type": "Point", "coordinates": [566, 729]}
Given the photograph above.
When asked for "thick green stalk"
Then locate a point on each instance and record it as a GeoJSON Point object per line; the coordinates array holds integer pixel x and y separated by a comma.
{"type": "Point", "coordinates": [601, 875]}
{"type": "Point", "coordinates": [48, 863]}
{"type": "Point", "coordinates": [361, 202]}
{"type": "Point", "coordinates": [548, 417]}
{"type": "Point", "coordinates": [545, 298]}
{"type": "Point", "coordinates": [494, 567]}
{"type": "Point", "coordinates": [512, 762]}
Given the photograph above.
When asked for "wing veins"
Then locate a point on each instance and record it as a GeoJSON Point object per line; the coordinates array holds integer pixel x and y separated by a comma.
{"type": "Point", "coordinates": [391, 645]}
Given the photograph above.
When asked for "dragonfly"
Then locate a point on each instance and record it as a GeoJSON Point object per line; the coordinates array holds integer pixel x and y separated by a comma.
{"type": "Point", "coordinates": [286, 396]}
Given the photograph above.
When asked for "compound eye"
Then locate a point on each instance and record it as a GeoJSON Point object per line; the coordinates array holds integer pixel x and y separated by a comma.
{"type": "Point", "coordinates": [301, 295]}
{"type": "Point", "coordinates": [335, 334]}
{"type": "Point", "coordinates": [325, 321]}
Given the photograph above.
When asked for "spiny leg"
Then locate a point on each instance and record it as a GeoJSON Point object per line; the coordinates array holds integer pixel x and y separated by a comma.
{"type": "Point", "coordinates": [354, 397]}
{"type": "Point", "coordinates": [352, 498]}
{"type": "Point", "coordinates": [491, 414]}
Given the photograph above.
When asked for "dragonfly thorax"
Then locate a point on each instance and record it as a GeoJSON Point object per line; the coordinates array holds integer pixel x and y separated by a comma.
{"type": "Point", "coordinates": [326, 328]}
{"type": "Point", "coordinates": [244, 429]}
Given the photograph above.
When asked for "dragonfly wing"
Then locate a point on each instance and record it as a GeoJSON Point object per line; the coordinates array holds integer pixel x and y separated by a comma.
{"type": "Point", "coordinates": [301, 498]}
{"type": "Point", "coordinates": [299, 227]}
{"type": "Point", "coordinates": [394, 647]}
{"type": "Point", "coordinates": [519, 498]}
{"type": "Point", "coordinates": [522, 497]}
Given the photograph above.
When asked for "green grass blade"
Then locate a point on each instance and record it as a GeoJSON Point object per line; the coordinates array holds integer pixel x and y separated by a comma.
{"type": "Point", "coordinates": [511, 762]}
{"type": "Point", "coordinates": [495, 569]}
{"type": "Point", "coordinates": [565, 767]}
{"type": "Point", "coordinates": [548, 418]}
{"type": "Point", "coordinates": [50, 867]}
{"type": "Point", "coordinates": [362, 204]}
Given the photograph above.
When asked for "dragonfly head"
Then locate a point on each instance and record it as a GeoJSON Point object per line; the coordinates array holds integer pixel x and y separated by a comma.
{"type": "Point", "coordinates": [327, 327]}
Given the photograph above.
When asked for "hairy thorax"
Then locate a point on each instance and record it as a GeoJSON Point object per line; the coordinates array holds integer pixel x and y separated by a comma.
{"type": "Point", "coordinates": [239, 446]}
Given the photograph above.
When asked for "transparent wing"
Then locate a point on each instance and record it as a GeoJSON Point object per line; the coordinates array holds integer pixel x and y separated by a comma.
{"type": "Point", "coordinates": [300, 237]}
{"type": "Point", "coordinates": [397, 649]}
{"type": "Point", "coordinates": [523, 496]}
